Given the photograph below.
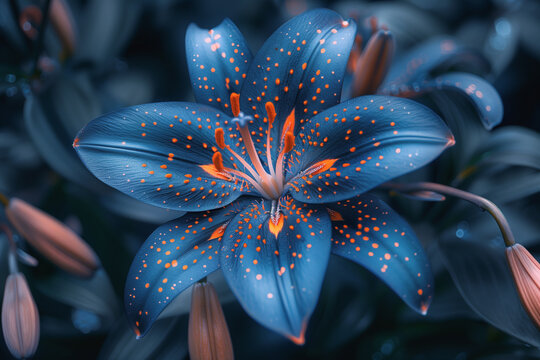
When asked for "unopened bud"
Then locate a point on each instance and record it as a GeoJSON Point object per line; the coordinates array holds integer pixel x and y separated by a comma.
{"type": "Point", "coordinates": [208, 335]}
{"type": "Point", "coordinates": [526, 272]}
{"type": "Point", "coordinates": [20, 317]}
{"type": "Point", "coordinates": [53, 239]}
{"type": "Point", "coordinates": [373, 64]}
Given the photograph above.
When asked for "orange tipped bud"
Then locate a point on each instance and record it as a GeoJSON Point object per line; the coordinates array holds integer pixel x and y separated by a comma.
{"type": "Point", "coordinates": [289, 142]}
{"type": "Point", "coordinates": [20, 317]}
{"type": "Point", "coordinates": [220, 138]}
{"type": "Point", "coordinates": [526, 272]}
{"type": "Point", "coordinates": [208, 335]}
{"type": "Point", "coordinates": [235, 104]}
{"type": "Point", "coordinates": [217, 159]}
{"type": "Point", "coordinates": [373, 64]}
{"type": "Point", "coordinates": [271, 111]}
{"type": "Point", "coordinates": [53, 239]}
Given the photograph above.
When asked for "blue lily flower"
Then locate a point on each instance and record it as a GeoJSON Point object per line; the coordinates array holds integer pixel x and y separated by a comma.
{"type": "Point", "coordinates": [273, 174]}
{"type": "Point", "coordinates": [422, 70]}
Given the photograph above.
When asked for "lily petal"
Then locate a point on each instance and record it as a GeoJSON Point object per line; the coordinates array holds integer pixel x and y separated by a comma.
{"type": "Point", "coordinates": [276, 267]}
{"type": "Point", "coordinates": [154, 153]}
{"type": "Point", "coordinates": [414, 73]}
{"type": "Point", "coordinates": [419, 64]}
{"type": "Point", "coordinates": [218, 60]}
{"type": "Point", "coordinates": [300, 67]}
{"type": "Point", "coordinates": [359, 144]}
{"type": "Point", "coordinates": [175, 255]}
{"type": "Point", "coordinates": [368, 232]}
{"type": "Point", "coordinates": [480, 93]}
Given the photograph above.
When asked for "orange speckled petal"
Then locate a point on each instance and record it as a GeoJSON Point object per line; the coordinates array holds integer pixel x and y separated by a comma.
{"type": "Point", "coordinates": [275, 267]}
{"type": "Point", "coordinates": [300, 67]}
{"type": "Point", "coordinates": [218, 60]}
{"type": "Point", "coordinates": [174, 256]}
{"type": "Point", "coordinates": [157, 152]}
{"type": "Point", "coordinates": [368, 140]}
{"type": "Point", "coordinates": [371, 234]}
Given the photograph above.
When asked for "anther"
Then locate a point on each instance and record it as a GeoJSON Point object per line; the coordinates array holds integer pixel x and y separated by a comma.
{"type": "Point", "coordinates": [271, 111]}
{"type": "Point", "coordinates": [289, 142]}
{"type": "Point", "coordinates": [220, 139]}
{"type": "Point", "coordinates": [235, 104]}
{"type": "Point", "coordinates": [217, 159]}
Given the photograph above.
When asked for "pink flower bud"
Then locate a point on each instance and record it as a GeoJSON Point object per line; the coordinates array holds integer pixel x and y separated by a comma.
{"type": "Point", "coordinates": [53, 239]}
{"type": "Point", "coordinates": [526, 271]}
{"type": "Point", "coordinates": [208, 335]}
{"type": "Point", "coordinates": [20, 317]}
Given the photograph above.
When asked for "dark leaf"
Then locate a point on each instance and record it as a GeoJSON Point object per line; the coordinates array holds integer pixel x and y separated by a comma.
{"type": "Point", "coordinates": [482, 275]}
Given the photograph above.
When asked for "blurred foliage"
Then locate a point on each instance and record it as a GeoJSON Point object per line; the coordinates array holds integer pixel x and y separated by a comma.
{"type": "Point", "coordinates": [131, 52]}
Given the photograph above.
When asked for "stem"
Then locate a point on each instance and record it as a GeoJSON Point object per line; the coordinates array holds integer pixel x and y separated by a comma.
{"type": "Point", "coordinates": [12, 260]}
{"type": "Point", "coordinates": [479, 201]}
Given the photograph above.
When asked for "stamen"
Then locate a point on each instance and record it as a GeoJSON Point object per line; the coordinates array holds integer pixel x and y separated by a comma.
{"type": "Point", "coordinates": [235, 104]}
{"type": "Point", "coordinates": [271, 111]}
{"type": "Point", "coordinates": [217, 159]}
{"type": "Point", "coordinates": [220, 139]}
{"type": "Point", "coordinates": [265, 178]}
{"type": "Point", "coordinates": [287, 127]}
{"type": "Point", "coordinates": [289, 142]}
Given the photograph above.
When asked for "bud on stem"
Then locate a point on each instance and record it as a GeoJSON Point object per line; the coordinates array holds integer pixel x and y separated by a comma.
{"type": "Point", "coordinates": [52, 238]}
{"type": "Point", "coordinates": [20, 317]}
{"type": "Point", "coordinates": [373, 64]}
{"type": "Point", "coordinates": [208, 335]}
{"type": "Point", "coordinates": [526, 272]}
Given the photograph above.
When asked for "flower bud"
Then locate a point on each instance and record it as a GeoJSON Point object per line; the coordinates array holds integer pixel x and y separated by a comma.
{"type": "Point", "coordinates": [373, 64]}
{"type": "Point", "coordinates": [20, 317]}
{"type": "Point", "coordinates": [526, 271]}
{"type": "Point", "coordinates": [208, 335]}
{"type": "Point", "coordinates": [53, 239]}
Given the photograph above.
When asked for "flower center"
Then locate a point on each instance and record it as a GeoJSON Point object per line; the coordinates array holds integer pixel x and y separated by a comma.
{"type": "Point", "coordinates": [269, 182]}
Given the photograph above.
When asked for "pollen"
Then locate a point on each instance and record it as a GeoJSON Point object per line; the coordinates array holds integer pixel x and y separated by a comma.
{"type": "Point", "coordinates": [235, 104]}
{"type": "Point", "coordinates": [271, 110]}
{"type": "Point", "coordinates": [289, 142]}
{"type": "Point", "coordinates": [217, 160]}
{"type": "Point", "coordinates": [220, 139]}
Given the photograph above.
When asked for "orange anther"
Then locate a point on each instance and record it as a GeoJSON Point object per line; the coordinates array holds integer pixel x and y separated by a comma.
{"type": "Point", "coordinates": [220, 139]}
{"type": "Point", "coordinates": [235, 104]}
{"type": "Point", "coordinates": [217, 159]}
{"type": "Point", "coordinates": [289, 142]}
{"type": "Point", "coordinates": [271, 111]}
